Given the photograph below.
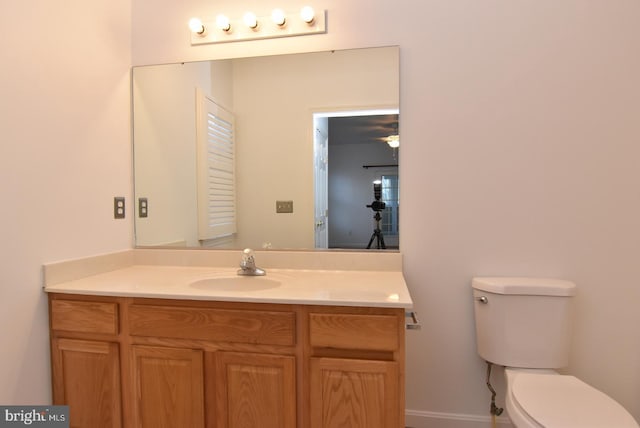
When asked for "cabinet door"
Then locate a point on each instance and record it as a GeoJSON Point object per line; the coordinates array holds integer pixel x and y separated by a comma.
{"type": "Point", "coordinates": [86, 377]}
{"type": "Point", "coordinates": [354, 393]}
{"type": "Point", "coordinates": [168, 386]}
{"type": "Point", "coordinates": [255, 390]}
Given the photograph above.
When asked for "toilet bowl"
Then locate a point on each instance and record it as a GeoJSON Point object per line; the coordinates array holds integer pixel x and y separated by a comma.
{"type": "Point", "coordinates": [524, 324]}
{"type": "Point", "coordinates": [545, 398]}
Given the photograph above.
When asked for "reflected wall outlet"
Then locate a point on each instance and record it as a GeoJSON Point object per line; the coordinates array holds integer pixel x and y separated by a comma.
{"type": "Point", "coordinates": [118, 207]}
{"type": "Point", "coordinates": [284, 206]}
{"type": "Point", "coordinates": [143, 207]}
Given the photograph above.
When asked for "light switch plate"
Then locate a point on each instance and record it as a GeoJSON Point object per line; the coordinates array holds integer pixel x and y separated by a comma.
{"type": "Point", "coordinates": [284, 207]}
{"type": "Point", "coordinates": [143, 207]}
{"type": "Point", "coordinates": [118, 207]}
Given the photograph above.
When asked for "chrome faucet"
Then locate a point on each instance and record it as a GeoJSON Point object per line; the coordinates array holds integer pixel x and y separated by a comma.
{"type": "Point", "coordinates": [248, 265]}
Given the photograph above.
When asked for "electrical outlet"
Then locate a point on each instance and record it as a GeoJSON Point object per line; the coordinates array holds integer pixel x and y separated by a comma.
{"type": "Point", "coordinates": [284, 206]}
{"type": "Point", "coordinates": [118, 207]}
{"type": "Point", "coordinates": [143, 208]}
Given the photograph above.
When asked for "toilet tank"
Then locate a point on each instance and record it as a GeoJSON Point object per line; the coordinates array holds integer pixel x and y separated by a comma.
{"type": "Point", "coordinates": [523, 322]}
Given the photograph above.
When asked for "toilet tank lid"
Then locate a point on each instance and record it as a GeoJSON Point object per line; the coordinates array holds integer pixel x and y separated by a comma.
{"type": "Point", "coordinates": [525, 286]}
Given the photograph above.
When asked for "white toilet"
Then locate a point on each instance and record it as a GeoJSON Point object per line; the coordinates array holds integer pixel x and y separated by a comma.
{"type": "Point", "coordinates": [524, 324]}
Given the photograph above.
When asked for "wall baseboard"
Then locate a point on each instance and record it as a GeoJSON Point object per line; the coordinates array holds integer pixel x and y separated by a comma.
{"type": "Point", "coordinates": [424, 419]}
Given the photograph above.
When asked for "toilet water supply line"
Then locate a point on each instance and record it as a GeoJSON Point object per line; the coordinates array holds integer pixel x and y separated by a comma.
{"type": "Point", "coordinates": [494, 410]}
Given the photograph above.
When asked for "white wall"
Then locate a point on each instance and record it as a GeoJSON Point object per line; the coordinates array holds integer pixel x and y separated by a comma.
{"type": "Point", "coordinates": [64, 154]}
{"type": "Point", "coordinates": [520, 147]}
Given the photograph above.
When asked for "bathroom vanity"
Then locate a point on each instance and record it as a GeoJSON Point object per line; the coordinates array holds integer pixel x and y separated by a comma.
{"type": "Point", "coordinates": [156, 345]}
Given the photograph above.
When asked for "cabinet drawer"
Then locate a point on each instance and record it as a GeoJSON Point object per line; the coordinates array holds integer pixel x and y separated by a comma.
{"type": "Point", "coordinates": [84, 317]}
{"type": "Point", "coordinates": [226, 325]}
{"type": "Point", "coordinates": [352, 331]}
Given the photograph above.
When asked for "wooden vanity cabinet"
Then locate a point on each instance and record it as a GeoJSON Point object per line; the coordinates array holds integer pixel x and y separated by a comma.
{"type": "Point", "coordinates": [255, 390]}
{"type": "Point", "coordinates": [168, 387]}
{"type": "Point", "coordinates": [85, 360]}
{"type": "Point", "coordinates": [237, 363]}
{"type": "Point", "coordinates": [356, 369]}
{"type": "Point", "coordinates": [134, 362]}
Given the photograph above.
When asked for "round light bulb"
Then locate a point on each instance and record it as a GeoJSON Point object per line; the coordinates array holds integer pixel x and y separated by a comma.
{"type": "Point", "coordinates": [250, 20]}
{"type": "Point", "coordinates": [393, 141]}
{"type": "Point", "coordinates": [195, 25]}
{"type": "Point", "coordinates": [278, 17]}
{"type": "Point", "coordinates": [223, 23]}
{"type": "Point", "coordinates": [307, 14]}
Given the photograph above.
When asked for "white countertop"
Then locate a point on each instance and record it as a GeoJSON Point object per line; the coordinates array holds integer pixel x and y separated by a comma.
{"type": "Point", "coordinates": [374, 288]}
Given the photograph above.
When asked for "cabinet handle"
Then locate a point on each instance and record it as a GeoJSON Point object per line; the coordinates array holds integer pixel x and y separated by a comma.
{"type": "Point", "coordinates": [411, 321]}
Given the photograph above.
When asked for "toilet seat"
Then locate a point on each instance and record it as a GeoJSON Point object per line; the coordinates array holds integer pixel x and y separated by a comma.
{"type": "Point", "coordinates": [553, 400]}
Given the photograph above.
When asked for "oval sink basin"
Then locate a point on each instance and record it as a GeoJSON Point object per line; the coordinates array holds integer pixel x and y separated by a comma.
{"type": "Point", "coordinates": [236, 283]}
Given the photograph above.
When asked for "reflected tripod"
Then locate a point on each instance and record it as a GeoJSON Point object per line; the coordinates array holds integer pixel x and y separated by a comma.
{"type": "Point", "coordinates": [377, 234]}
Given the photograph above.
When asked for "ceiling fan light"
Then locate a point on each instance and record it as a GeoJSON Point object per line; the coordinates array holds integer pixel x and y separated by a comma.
{"type": "Point", "coordinates": [393, 141]}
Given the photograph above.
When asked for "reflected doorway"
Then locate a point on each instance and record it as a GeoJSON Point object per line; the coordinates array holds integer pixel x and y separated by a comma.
{"type": "Point", "coordinates": [352, 149]}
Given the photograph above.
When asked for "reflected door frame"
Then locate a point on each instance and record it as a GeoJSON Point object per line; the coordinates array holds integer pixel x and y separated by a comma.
{"type": "Point", "coordinates": [321, 181]}
{"type": "Point", "coordinates": [320, 122]}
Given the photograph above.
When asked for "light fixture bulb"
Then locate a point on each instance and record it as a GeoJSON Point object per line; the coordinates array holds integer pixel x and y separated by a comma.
{"type": "Point", "coordinates": [223, 23]}
{"type": "Point", "coordinates": [250, 20]}
{"type": "Point", "coordinates": [278, 17]}
{"type": "Point", "coordinates": [393, 141]}
{"type": "Point", "coordinates": [307, 14]}
{"type": "Point", "coordinates": [195, 25]}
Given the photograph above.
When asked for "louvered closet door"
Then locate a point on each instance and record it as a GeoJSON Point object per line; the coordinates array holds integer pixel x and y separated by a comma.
{"type": "Point", "coordinates": [216, 170]}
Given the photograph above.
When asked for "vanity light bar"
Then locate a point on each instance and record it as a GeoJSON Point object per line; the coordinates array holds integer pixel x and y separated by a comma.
{"type": "Point", "coordinates": [252, 27]}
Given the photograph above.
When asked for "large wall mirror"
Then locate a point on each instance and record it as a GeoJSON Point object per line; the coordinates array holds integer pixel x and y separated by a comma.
{"type": "Point", "coordinates": [274, 152]}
